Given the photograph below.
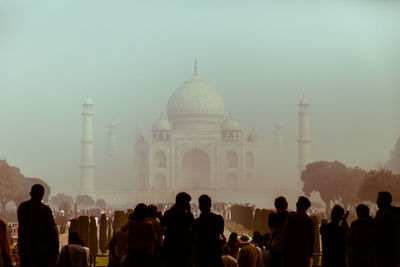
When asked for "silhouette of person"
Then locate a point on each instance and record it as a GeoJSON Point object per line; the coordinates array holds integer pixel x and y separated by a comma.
{"type": "Point", "coordinates": [248, 254]}
{"type": "Point", "coordinates": [208, 230]}
{"type": "Point", "coordinates": [333, 239]}
{"type": "Point", "coordinates": [361, 240]}
{"type": "Point", "coordinates": [298, 236]}
{"type": "Point", "coordinates": [37, 233]}
{"type": "Point", "coordinates": [178, 221]}
{"type": "Point", "coordinates": [227, 259]}
{"type": "Point", "coordinates": [118, 247]}
{"type": "Point", "coordinates": [73, 254]}
{"type": "Point", "coordinates": [142, 238]}
{"type": "Point", "coordinates": [276, 222]}
{"type": "Point", "coordinates": [234, 245]}
{"type": "Point", "coordinates": [5, 254]}
{"type": "Point", "coordinates": [387, 219]}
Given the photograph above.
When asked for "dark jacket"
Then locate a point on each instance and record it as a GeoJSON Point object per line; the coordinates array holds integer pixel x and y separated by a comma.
{"type": "Point", "coordinates": [37, 233]}
{"type": "Point", "coordinates": [361, 243]}
{"type": "Point", "coordinates": [298, 240]}
{"type": "Point", "coordinates": [333, 237]}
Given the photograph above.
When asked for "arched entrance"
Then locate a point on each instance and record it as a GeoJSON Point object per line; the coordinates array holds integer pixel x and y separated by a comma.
{"type": "Point", "coordinates": [196, 174]}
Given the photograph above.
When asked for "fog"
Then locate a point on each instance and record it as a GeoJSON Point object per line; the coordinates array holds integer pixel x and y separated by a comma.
{"type": "Point", "coordinates": [261, 57]}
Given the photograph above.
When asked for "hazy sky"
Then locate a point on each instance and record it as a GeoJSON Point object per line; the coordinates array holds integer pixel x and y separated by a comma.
{"type": "Point", "coordinates": [261, 57]}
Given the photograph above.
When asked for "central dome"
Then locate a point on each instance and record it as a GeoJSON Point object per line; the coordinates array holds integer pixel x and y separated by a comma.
{"type": "Point", "coordinates": [195, 100]}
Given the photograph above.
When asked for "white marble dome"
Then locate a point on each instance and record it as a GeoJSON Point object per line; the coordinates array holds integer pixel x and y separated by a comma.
{"type": "Point", "coordinates": [161, 125]}
{"type": "Point", "coordinates": [230, 125]}
{"type": "Point", "coordinates": [196, 100]}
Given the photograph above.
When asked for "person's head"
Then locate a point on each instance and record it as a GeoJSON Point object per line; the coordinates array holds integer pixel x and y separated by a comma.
{"type": "Point", "coordinates": [183, 200]}
{"type": "Point", "coordinates": [281, 204]}
{"type": "Point", "coordinates": [384, 199]}
{"type": "Point", "coordinates": [204, 203]}
{"type": "Point", "coordinates": [337, 213]}
{"type": "Point", "coordinates": [140, 212]}
{"type": "Point", "coordinates": [362, 211]}
{"type": "Point", "coordinates": [37, 192]}
{"type": "Point", "coordinates": [303, 204]}
{"type": "Point", "coordinates": [233, 237]}
{"type": "Point", "coordinates": [73, 238]}
{"type": "Point", "coordinates": [151, 211]}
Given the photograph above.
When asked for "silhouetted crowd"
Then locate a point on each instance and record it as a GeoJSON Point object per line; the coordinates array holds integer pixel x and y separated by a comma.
{"type": "Point", "coordinates": [178, 239]}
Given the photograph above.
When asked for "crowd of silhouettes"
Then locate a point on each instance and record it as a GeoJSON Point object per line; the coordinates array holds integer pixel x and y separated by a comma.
{"type": "Point", "coordinates": [177, 239]}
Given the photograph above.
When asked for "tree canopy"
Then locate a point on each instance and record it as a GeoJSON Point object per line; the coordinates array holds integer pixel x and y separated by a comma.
{"type": "Point", "coordinates": [14, 186]}
{"type": "Point", "coordinates": [84, 200]}
{"type": "Point", "coordinates": [101, 203]}
{"type": "Point", "coordinates": [334, 181]}
{"type": "Point", "coordinates": [60, 198]}
{"type": "Point", "coordinates": [394, 163]}
{"type": "Point", "coordinates": [381, 180]}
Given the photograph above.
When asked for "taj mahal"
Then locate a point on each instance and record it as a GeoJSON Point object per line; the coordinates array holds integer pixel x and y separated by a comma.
{"type": "Point", "coordinates": [198, 148]}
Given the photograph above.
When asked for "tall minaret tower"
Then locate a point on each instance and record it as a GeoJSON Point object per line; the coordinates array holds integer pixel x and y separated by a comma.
{"type": "Point", "coordinates": [279, 135]}
{"type": "Point", "coordinates": [87, 157]}
{"type": "Point", "coordinates": [304, 140]}
{"type": "Point", "coordinates": [112, 139]}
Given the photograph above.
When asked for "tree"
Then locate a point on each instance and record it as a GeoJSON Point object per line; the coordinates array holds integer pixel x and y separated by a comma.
{"type": "Point", "coordinates": [101, 203]}
{"type": "Point", "coordinates": [84, 200]}
{"type": "Point", "coordinates": [60, 198]}
{"type": "Point", "coordinates": [334, 182]}
{"type": "Point", "coordinates": [394, 163]}
{"type": "Point", "coordinates": [380, 180]}
{"type": "Point", "coordinates": [93, 240]}
{"type": "Point", "coordinates": [14, 186]}
{"type": "Point", "coordinates": [65, 206]}
{"type": "Point", "coordinates": [103, 233]}
{"type": "Point", "coordinates": [10, 183]}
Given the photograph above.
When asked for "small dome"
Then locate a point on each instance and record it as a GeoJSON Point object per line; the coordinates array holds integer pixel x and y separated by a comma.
{"type": "Point", "coordinates": [87, 101]}
{"type": "Point", "coordinates": [161, 125]}
{"type": "Point", "coordinates": [112, 123]}
{"type": "Point", "coordinates": [230, 125]}
{"type": "Point", "coordinates": [303, 101]}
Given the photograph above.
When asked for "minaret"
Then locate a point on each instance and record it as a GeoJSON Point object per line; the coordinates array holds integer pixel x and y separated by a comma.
{"type": "Point", "coordinates": [304, 140]}
{"type": "Point", "coordinates": [87, 157]}
{"type": "Point", "coordinates": [279, 135]}
{"type": "Point", "coordinates": [112, 139]}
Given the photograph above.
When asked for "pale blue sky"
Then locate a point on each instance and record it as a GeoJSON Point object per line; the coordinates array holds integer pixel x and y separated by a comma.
{"type": "Point", "coordinates": [129, 57]}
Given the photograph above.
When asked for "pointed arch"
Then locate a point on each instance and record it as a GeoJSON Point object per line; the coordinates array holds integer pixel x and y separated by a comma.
{"type": "Point", "coordinates": [160, 159]}
{"type": "Point", "coordinates": [232, 160]}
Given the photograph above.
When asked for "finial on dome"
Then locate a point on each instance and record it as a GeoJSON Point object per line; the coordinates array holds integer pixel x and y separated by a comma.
{"type": "Point", "coordinates": [195, 66]}
{"type": "Point", "coordinates": [230, 115]}
{"type": "Point", "coordinates": [161, 115]}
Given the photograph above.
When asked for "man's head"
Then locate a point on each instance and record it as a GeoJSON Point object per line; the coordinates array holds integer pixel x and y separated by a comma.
{"type": "Point", "coordinates": [362, 211]}
{"type": "Point", "coordinates": [303, 204]}
{"type": "Point", "coordinates": [204, 203]}
{"type": "Point", "coordinates": [151, 211]}
{"type": "Point", "coordinates": [281, 204]}
{"type": "Point", "coordinates": [73, 238]}
{"type": "Point", "coordinates": [140, 212]}
{"type": "Point", "coordinates": [183, 199]}
{"type": "Point", "coordinates": [37, 192]}
{"type": "Point", "coordinates": [337, 213]}
{"type": "Point", "coordinates": [384, 199]}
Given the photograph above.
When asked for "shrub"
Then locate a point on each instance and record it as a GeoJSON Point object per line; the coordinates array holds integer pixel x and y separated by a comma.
{"type": "Point", "coordinates": [93, 240]}
{"type": "Point", "coordinates": [103, 234]}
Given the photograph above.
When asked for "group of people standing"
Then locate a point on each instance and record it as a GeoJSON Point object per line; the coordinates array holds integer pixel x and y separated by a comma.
{"type": "Point", "coordinates": [177, 239]}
